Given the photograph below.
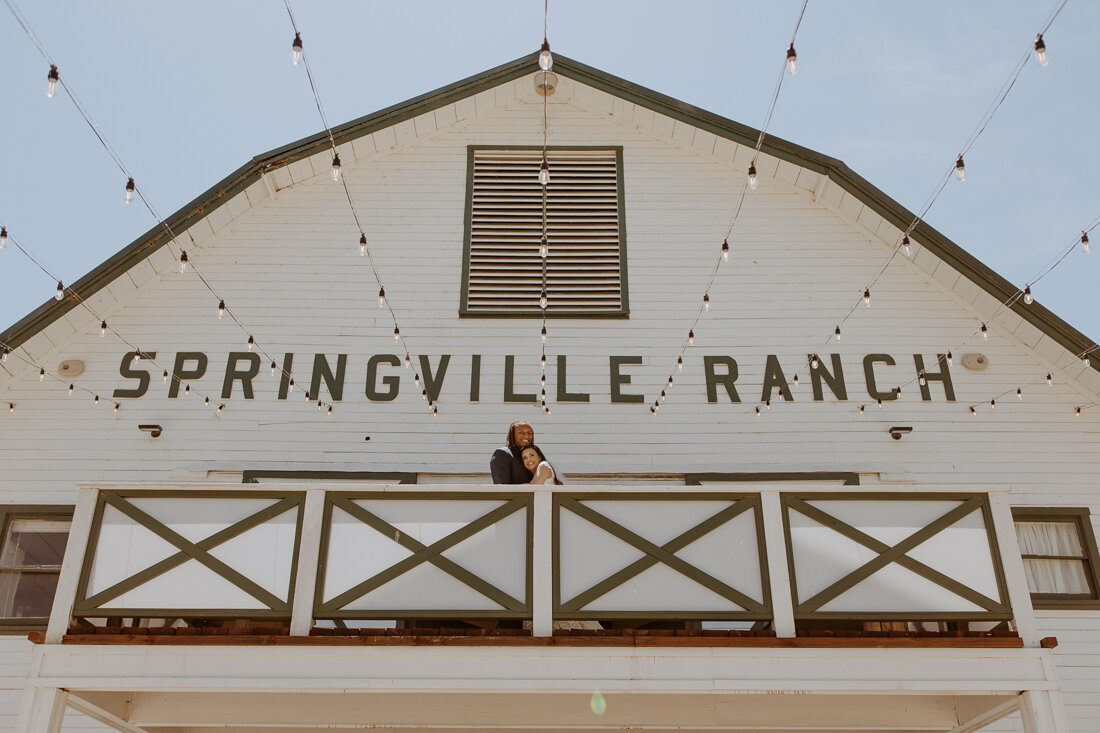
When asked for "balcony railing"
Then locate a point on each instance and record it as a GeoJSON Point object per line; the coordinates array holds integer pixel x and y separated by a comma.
{"type": "Point", "coordinates": [776, 556]}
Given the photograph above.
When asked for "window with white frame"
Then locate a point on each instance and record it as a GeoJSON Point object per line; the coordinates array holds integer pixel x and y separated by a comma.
{"type": "Point", "coordinates": [581, 211]}
{"type": "Point", "coordinates": [1060, 556]}
{"type": "Point", "coordinates": [31, 550]}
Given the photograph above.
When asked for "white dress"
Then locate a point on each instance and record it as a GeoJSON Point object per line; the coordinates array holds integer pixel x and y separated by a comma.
{"type": "Point", "coordinates": [538, 469]}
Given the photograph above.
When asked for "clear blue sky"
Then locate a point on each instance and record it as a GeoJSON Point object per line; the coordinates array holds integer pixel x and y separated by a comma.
{"type": "Point", "coordinates": [187, 92]}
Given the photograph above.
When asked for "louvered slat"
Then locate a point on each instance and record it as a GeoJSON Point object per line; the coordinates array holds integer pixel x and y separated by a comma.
{"type": "Point", "coordinates": [583, 272]}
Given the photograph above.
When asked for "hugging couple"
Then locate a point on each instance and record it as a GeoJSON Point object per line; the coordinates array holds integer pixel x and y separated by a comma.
{"type": "Point", "coordinates": [520, 461]}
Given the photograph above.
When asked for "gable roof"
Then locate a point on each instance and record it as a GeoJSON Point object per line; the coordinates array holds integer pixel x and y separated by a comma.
{"type": "Point", "coordinates": [836, 171]}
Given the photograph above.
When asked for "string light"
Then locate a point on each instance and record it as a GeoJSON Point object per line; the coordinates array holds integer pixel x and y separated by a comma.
{"type": "Point", "coordinates": [117, 405]}
{"type": "Point", "coordinates": [921, 379]}
{"type": "Point", "coordinates": [813, 361]}
{"type": "Point", "coordinates": [183, 261]}
{"type": "Point", "coordinates": [408, 361]}
{"type": "Point", "coordinates": [758, 411]}
{"type": "Point", "coordinates": [670, 381]}
{"type": "Point", "coordinates": [837, 332]}
{"type": "Point", "coordinates": [1020, 393]}
{"type": "Point", "coordinates": [544, 336]}
{"type": "Point", "coordinates": [1050, 382]}
{"type": "Point", "coordinates": [867, 297]}
{"type": "Point", "coordinates": [381, 297]}
{"type": "Point", "coordinates": [795, 381]}
{"type": "Point", "coordinates": [993, 404]}
{"type": "Point", "coordinates": [186, 391]}
{"type": "Point", "coordinates": [662, 395]}
{"type": "Point", "coordinates": [423, 394]}
{"type": "Point", "coordinates": [220, 409]}
{"type": "Point", "coordinates": [767, 404]}
{"type": "Point", "coordinates": [706, 301]}
{"type": "Point", "coordinates": [880, 403]}
{"type": "Point", "coordinates": [544, 171]}
{"type": "Point", "coordinates": [1027, 295]}
{"type": "Point", "coordinates": [221, 309]}
{"type": "Point", "coordinates": [206, 402]}
{"type": "Point", "coordinates": [725, 249]}
{"type": "Point", "coordinates": [41, 374]}
{"type": "Point", "coordinates": [336, 167]}
{"type": "Point", "coordinates": [546, 61]}
{"type": "Point", "coordinates": [51, 81]}
{"type": "Point", "coordinates": [251, 342]}
{"type": "Point", "coordinates": [1085, 242]}
{"type": "Point", "coordinates": [691, 337]}
{"type": "Point", "coordinates": [330, 410]}
{"type": "Point", "coordinates": [542, 361]}
{"type": "Point", "coordinates": [960, 169]}
{"type": "Point", "coordinates": [861, 409]}
{"type": "Point", "coordinates": [1041, 51]}
{"type": "Point", "coordinates": [973, 412]}
{"type": "Point", "coordinates": [362, 244]}
{"type": "Point", "coordinates": [71, 389]}
{"type": "Point", "coordinates": [296, 49]}
{"type": "Point", "coordinates": [396, 333]}
{"type": "Point", "coordinates": [949, 358]}
{"type": "Point", "coordinates": [290, 387]}
{"type": "Point", "coordinates": [416, 379]}
{"type": "Point", "coordinates": [96, 400]}
{"type": "Point", "coordinates": [102, 329]}
{"type": "Point", "coordinates": [985, 332]}
{"type": "Point", "coordinates": [1077, 412]}
{"type": "Point", "coordinates": [3, 237]}
{"type": "Point", "coordinates": [11, 408]}
{"type": "Point", "coordinates": [752, 176]}
{"type": "Point", "coordinates": [544, 248]}
{"type": "Point", "coordinates": [679, 363]}
{"type": "Point", "coordinates": [165, 375]}
{"type": "Point", "coordinates": [792, 60]}
{"type": "Point", "coordinates": [1086, 360]}
{"type": "Point", "coordinates": [543, 299]}
{"type": "Point", "coordinates": [60, 290]}
{"type": "Point", "coordinates": [130, 191]}
{"type": "Point", "coordinates": [905, 244]}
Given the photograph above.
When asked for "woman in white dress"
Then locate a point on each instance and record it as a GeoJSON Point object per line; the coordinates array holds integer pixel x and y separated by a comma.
{"type": "Point", "coordinates": [542, 471]}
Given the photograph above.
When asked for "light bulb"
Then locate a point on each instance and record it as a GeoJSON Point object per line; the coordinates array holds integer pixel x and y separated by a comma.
{"type": "Point", "coordinates": [251, 342]}
{"type": "Point", "coordinates": [1050, 381]}
{"type": "Point", "coordinates": [4, 354]}
{"type": "Point", "coordinates": [752, 177]}
{"type": "Point", "coordinates": [1027, 295]}
{"type": "Point", "coordinates": [206, 402]}
{"type": "Point", "coordinates": [706, 301]}
{"type": "Point", "coordinates": [71, 389]}
{"type": "Point", "coordinates": [861, 409]}
{"type": "Point", "coordinates": [973, 412]}
{"type": "Point", "coordinates": [329, 413]}
{"type": "Point", "coordinates": [949, 358]}
{"type": "Point", "coordinates": [96, 400]}
{"type": "Point", "coordinates": [960, 169]}
{"type": "Point", "coordinates": [4, 237]}
{"type": "Point", "coordinates": [102, 329]}
{"type": "Point", "coordinates": [1019, 393]}
{"type": "Point", "coordinates": [381, 297]}
{"type": "Point", "coordinates": [725, 249]}
{"type": "Point", "coordinates": [336, 167]}
{"type": "Point", "coordinates": [542, 299]}
{"type": "Point", "coordinates": [691, 337]}
{"type": "Point", "coordinates": [544, 248]}
{"type": "Point", "coordinates": [183, 261]}
{"type": "Point", "coordinates": [187, 391]}
{"type": "Point", "coordinates": [795, 381]}
{"type": "Point", "coordinates": [166, 376]}
{"type": "Point", "coordinates": [544, 334]}
{"type": "Point", "coordinates": [921, 380]}
{"type": "Point", "coordinates": [880, 403]}
{"type": "Point", "coordinates": [670, 381]}
{"type": "Point", "coordinates": [813, 361]}
{"type": "Point", "coordinates": [416, 379]}
{"type": "Point", "coordinates": [424, 394]}
{"type": "Point", "coordinates": [274, 367]}
{"type": "Point", "coordinates": [1086, 361]}
{"type": "Point", "coordinates": [792, 60]}
{"type": "Point", "coordinates": [542, 361]}
{"type": "Point", "coordinates": [867, 297]}
{"type": "Point", "coordinates": [362, 244]}
{"type": "Point", "coordinates": [290, 387]}
{"type": "Point", "coordinates": [985, 332]}
{"type": "Point", "coordinates": [656, 407]}
{"type": "Point", "coordinates": [662, 395]}
{"type": "Point", "coordinates": [542, 380]}
{"type": "Point", "coordinates": [60, 290]}
{"type": "Point", "coordinates": [296, 49]}
{"type": "Point", "coordinates": [41, 374]}
{"type": "Point", "coordinates": [1041, 50]}
{"type": "Point", "coordinates": [221, 309]}
{"type": "Point", "coordinates": [837, 333]}
{"type": "Point", "coordinates": [767, 404]}
{"type": "Point", "coordinates": [544, 171]}
{"type": "Point", "coordinates": [51, 81]}
{"type": "Point", "coordinates": [130, 191]}
{"type": "Point", "coordinates": [1085, 242]}
{"type": "Point", "coordinates": [905, 243]}
{"type": "Point", "coordinates": [679, 363]}
{"type": "Point", "coordinates": [993, 404]}
{"type": "Point", "coordinates": [320, 405]}
{"type": "Point", "coordinates": [546, 61]}
{"type": "Point", "coordinates": [1077, 412]}
{"type": "Point", "coordinates": [219, 410]}
{"type": "Point", "coordinates": [408, 360]}
{"type": "Point", "coordinates": [396, 333]}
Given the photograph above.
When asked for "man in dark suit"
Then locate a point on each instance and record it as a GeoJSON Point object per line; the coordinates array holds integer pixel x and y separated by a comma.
{"type": "Point", "coordinates": [506, 465]}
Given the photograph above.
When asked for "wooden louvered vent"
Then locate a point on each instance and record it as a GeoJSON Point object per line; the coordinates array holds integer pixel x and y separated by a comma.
{"type": "Point", "coordinates": [584, 225]}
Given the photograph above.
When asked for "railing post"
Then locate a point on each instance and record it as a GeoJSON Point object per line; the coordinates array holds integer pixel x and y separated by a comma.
{"type": "Point", "coordinates": [542, 565]}
{"type": "Point", "coordinates": [309, 554]}
{"type": "Point", "coordinates": [775, 545]}
{"type": "Point", "coordinates": [1019, 597]}
{"type": "Point", "coordinates": [71, 565]}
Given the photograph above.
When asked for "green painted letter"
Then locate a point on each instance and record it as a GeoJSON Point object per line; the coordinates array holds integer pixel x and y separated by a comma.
{"type": "Point", "coordinates": [618, 379]}
{"type": "Point", "coordinates": [726, 380]}
{"type": "Point", "coordinates": [246, 376]}
{"type": "Point", "coordinates": [126, 369]}
{"type": "Point", "coordinates": [392, 382]}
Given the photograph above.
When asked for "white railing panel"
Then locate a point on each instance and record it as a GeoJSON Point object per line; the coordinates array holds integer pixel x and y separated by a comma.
{"type": "Point", "coordinates": [483, 556]}
{"type": "Point", "coordinates": [123, 548]}
{"type": "Point", "coordinates": [659, 590]}
{"type": "Point", "coordinates": [962, 551]}
{"type": "Point", "coordinates": [264, 554]}
{"type": "Point", "coordinates": [424, 588]}
{"type": "Point", "coordinates": [895, 589]}
{"type": "Point", "coordinates": [731, 554]}
{"type": "Point", "coordinates": [189, 586]}
{"type": "Point", "coordinates": [372, 551]}
{"type": "Point", "coordinates": [888, 521]}
{"type": "Point", "coordinates": [657, 521]}
{"type": "Point", "coordinates": [587, 554]}
{"type": "Point", "coordinates": [192, 517]}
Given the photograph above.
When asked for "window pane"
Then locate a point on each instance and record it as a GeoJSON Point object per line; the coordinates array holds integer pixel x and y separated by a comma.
{"type": "Point", "coordinates": [1053, 539]}
{"type": "Point", "coordinates": [27, 595]}
{"type": "Point", "coordinates": [35, 543]}
{"type": "Point", "coordinates": [1056, 576]}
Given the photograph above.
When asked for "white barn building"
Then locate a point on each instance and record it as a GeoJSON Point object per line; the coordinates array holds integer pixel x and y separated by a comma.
{"type": "Point", "coordinates": [868, 546]}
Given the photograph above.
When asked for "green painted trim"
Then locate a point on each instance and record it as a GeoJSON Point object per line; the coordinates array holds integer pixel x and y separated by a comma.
{"type": "Point", "coordinates": [89, 606]}
{"type": "Point", "coordinates": [192, 550]}
{"type": "Point", "coordinates": [8, 512]}
{"type": "Point", "coordinates": [464, 299]}
{"type": "Point", "coordinates": [940, 246]}
{"type": "Point", "coordinates": [400, 477]}
{"type": "Point", "coordinates": [400, 613]}
{"type": "Point", "coordinates": [1079, 517]}
{"type": "Point", "coordinates": [850, 478]}
{"type": "Point", "coordinates": [970, 503]}
{"type": "Point", "coordinates": [659, 554]}
{"type": "Point", "coordinates": [421, 553]}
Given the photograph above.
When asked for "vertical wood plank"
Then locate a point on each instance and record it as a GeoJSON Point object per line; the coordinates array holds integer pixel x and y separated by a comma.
{"type": "Point", "coordinates": [1019, 597]}
{"type": "Point", "coordinates": [77, 547]}
{"type": "Point", "coordinates": [542, 569]}
{"type": "Point", "coordinates": [778, 573]}
{"type": "Point", "coordinates": [309, 553]}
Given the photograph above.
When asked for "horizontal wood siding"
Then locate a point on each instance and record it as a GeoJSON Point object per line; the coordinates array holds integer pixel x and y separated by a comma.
{"type": "Point", "coordinates": [290, 269]}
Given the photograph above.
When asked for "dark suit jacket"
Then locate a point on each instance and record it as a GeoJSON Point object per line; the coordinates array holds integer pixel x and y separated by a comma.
{"type": "Point", "coordinates": [507, 468]}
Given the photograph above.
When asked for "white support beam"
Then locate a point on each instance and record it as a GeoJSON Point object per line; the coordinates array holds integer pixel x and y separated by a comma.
{"type": "Point", "coordinates": [1019, 597]}
{"type": "Point", "coordinates": [542, 565]}
{"type": "Point", "coordinates": [309, 553]}
{"type": "Point", "coordinates": [1041, 712]}
{"type": "Point", "coordinates": [65, 596]}
{"type": "Point", "coordinates": [779, 577]}
{"type": "Point", "coordinates": [987, 717]}
{"type": "Point", "coordinates": [43, 710]}
{"type": "Point", "coordinates": [103, 716]}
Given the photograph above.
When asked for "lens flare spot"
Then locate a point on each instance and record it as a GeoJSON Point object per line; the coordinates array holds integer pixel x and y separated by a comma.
{"type": "Point", "coordinates": [597, 703]}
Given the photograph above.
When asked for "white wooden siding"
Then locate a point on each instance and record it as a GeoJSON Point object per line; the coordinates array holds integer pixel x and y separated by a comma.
{"type": "Point", "coordinates": [290, 268]}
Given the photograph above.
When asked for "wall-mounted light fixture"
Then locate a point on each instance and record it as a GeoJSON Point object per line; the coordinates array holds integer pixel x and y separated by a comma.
{"type": "Point", "coordinates": [897, 431]}
{"type": "Point", "coordinates": [153, 430]}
